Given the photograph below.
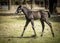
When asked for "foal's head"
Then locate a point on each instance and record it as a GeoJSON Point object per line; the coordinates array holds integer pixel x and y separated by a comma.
{"type": "Point", "coordinates": [19, 9]}
{"type": "Point", "coordinates": [23, 9]}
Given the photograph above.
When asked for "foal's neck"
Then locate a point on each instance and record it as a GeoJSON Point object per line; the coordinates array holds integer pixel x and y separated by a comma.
{"type": "Point", "coordinates": [25, 11]}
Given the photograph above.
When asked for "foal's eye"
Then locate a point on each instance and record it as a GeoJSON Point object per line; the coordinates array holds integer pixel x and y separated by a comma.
{"type": "Point", "coordinates": [19, 8]}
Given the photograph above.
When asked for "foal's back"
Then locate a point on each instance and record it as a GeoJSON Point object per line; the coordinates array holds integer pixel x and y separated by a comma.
{"type": "Point", "coordinates": [36, 14]}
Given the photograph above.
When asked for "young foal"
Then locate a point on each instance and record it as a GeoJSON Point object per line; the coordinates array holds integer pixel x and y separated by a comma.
{"type": "Point", "coordinates": [33, 15]}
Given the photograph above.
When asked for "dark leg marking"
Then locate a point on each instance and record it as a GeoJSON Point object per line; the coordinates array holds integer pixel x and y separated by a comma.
{"type": "Point", "coordinates": [27, 22]}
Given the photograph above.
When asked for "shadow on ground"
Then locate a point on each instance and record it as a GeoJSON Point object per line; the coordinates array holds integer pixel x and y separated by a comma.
{"type": "Point", "coordinates": [55, 18]}
{"type": "Point", "coordinates": [21, 37]}
{"type": "Point", "coordinates": [19, 18]}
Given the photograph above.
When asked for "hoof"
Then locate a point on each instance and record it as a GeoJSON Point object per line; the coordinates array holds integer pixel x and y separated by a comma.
{"type": "Point", "coordinates": [53, 35]}
{"type": "Point", "coordinates": [41, 35]}
{"type": "Point", "coordinates": [33, 36]}
{"type": "Point", "coordinates": [21, 36]}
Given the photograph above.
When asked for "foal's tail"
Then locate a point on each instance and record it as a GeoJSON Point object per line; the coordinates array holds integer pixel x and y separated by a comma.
{"type": "Point", "coordinates": [48, 13]}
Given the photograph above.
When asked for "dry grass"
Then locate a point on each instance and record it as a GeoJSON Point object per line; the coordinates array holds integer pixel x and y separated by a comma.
{"type": "Point", "coordinates": [11, 28]}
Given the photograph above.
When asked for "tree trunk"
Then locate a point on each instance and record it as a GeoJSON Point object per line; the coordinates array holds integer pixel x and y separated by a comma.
{"type": "Point", "coordinates": [32, 3]}
{"type": "Point", "coordinates": [9, 4]}
{"type": "Point", "coordinates": [51, 6]}
{"type": "Point", "coordinates": [46, 4]}
{"type": "Point", "coordinates": [55, 5]}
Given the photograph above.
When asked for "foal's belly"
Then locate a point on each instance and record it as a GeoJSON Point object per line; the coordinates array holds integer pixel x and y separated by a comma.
{"type": "Point", "coordinates": [36, 15]}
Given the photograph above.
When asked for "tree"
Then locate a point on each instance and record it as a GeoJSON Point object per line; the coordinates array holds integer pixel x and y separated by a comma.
{"type": "Point", "coordinates": [32, 3]}
{"type": "Point", "coordinates": [55, 5]}
{"type": "Point", "coordinates": [52, 5]}
{"type": "Point", "coordinates": [9, 4]}
{"type": "Point", "coordinates": [46, 4]}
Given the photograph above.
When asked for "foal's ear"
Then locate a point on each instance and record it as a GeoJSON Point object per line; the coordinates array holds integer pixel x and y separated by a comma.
{"type": "Point", "coordinates": [19, 6]}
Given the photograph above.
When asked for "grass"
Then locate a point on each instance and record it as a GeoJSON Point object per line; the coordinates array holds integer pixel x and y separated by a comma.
{"type": "Point", "coordinates": [11, 28]}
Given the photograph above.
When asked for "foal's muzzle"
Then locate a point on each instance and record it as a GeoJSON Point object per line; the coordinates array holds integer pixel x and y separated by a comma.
{"type": "Point", "coordinates": [16, 12]}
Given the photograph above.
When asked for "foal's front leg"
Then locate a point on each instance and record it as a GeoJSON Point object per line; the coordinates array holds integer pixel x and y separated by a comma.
{"type": "Point", "coordinates": [32, 22]}
{"type": "Point", "coordinates": [27, 22]}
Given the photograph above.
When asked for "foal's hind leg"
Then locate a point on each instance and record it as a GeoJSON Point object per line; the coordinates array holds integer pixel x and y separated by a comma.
{"type": "Point", "coordinates": [32, 22]}
{"type": "Point", "coordinates": [42, 22]}
{"type": "Point", "coordinates": [27, 22]}
{"type": "Point", "coordinates": [50, 27]}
